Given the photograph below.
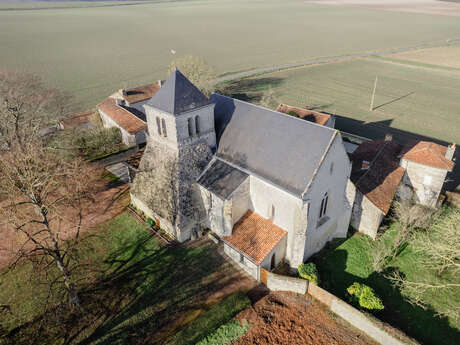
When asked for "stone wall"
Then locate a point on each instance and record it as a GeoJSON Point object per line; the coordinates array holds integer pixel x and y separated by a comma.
{"type": "Point", "coordinates": [279, 252]}
{"type": "Point", "coordinates": [177, 126]}
{"type": "Point", "coordinates": [352, 315]}
{"type": "Point", "coordinates": [276, 282]}
{"type": "Point", "coordinates": [250, 267]}
{"type": "Point", "coordinates": [421, 182]}
{"type": "Point", "coordinates": [366, 217]}
{"type": "Point", "coordinates": [126, 137]}
{"type": "Point", "coordinates": [241, 200]}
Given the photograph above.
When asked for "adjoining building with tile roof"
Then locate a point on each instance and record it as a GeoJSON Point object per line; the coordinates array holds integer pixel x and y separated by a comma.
{"type": "Point", "coordinates": [427, 165]}
{"type": "Point", "coordinates": [384, 170]}
{"type": "Point", "coordinates": [317, 117]}
{"type": "Point", "coordinates": [271, 186]}
{"type": "Point", "coordinates": [125, 110]}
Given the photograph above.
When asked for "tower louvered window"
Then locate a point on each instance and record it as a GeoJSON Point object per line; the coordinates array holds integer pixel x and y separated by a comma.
{"type": "Point", "coordinates": [163, 123]}
{"type": "Point", "coordinates": [158, 126]}
{"type": "Point", "coordinates": [197, 125]}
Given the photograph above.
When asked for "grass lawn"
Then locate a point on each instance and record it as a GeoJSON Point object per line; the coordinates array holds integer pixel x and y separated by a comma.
{"type": "Point", "coordinates": [134, 292]}
{"type": "Point", "coordinates": [410, 101]}
{"type": "Point", "coordinates": [352, 262]}
{"type": "Point", "coordinates": [79, 49]}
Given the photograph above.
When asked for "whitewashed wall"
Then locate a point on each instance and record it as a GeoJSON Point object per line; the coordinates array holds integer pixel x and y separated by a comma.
{"type": "Point", "coordinates": [426, 183]}
{"type": "Point", "coordinates": [245, 263]}
{"type": "Point", "coordinates": [366, 217]}
{"type": "Point", "coordinates": [279, 251]}
{"type": "Point", "coordinates": [332, 177]}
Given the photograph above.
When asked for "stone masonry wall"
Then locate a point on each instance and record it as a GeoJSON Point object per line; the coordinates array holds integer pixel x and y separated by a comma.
{"type": "Point", "coordinates": [426, 183]}
{"type": "Point", "coordinates": [366, 217]}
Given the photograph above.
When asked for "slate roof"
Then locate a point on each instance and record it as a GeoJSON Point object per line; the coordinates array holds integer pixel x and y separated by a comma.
{"type": "Point", "coordinates": [380, 181]}
{"type": "Point", "coordinates": [123, 117]}
{"type": "Point", "coordinates": [222, 179]}
{"type": "Point", "coordinates": [309, 115]}
{"type": "Point", "coordinates": [255, 236]}
{"type": "Point", "coordinates": [178, 95]}
{"type": "Point", "coordinates": [280, 148]}
{"type": "Point", "coordinates": [427, 153]}
{"type": "Point", "coordinates": [141, 93]}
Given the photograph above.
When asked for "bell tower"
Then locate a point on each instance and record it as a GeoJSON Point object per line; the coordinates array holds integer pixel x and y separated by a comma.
{"type": "Point", "coordinates": [180, 143]}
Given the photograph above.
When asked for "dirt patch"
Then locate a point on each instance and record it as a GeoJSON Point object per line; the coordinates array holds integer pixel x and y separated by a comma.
{"type": "Point", "coordinates": [109, 201]}
{"type": "Point", "coordinates": [288, 318]}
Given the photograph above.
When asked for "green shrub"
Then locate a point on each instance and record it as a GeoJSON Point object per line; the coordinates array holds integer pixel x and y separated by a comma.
{"type": "Point", "coordinates": [150, 222]}
{"type": "Point", "coordinates": [309, 272]}
{"type": "Point", "coordinates": [210, 321]}
{"type": "Point", "coordinates": [226, 334]}
{"type": "Point", "coordinates": [364, 296]}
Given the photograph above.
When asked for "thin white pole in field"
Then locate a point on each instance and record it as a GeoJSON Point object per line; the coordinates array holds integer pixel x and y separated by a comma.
{"type": "Point", "coordinates": [373, 95]}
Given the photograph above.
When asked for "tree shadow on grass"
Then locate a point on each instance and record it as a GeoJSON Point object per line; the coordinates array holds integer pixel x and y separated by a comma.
{"type": "Point", "coordinates": [248, 90]}
{"type": "Point", "coordinates": [418, 323]}
{"type": "Point", "coordinates": [141, 290]}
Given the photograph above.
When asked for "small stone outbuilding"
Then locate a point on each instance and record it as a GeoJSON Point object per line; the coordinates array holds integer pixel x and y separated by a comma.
{"type": "Point", "coordinates": [125, 110]}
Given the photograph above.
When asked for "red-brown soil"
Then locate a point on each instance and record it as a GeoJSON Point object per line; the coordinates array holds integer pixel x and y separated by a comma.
{"type": "Point", "coordinates": [108, 202]}
{"type": "Point", "coordinates": [292, 319]}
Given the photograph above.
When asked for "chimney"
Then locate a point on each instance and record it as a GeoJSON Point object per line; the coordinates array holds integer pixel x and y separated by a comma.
{"type": "Point", "coordinates": [120, 102]}
{"type": "Point", "coordinates": [365, 165]}
{"type": "Point", "coordinates": [388, 137]}
{"type": "Point", "coordinates": [450, 151]}
{"type": "Point", "coordinates": [160, 82]}
{"type": "Point", "coordinates": [123, 92]}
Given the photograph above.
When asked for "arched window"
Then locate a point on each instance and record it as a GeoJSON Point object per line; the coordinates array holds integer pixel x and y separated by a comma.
{"type": "Point", "coordinates": [323, 208]}
{"type": "Point", "coordinates": [197, 125]}
{"type": "Point", "coordinates": [190, 126]}
{"type": "Point", "coordinates": [158, 126]}
{"type": "Point", "coordinates": [163, 123]}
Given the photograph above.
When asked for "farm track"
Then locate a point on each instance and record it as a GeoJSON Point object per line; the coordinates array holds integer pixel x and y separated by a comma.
{"type": "Point", "coordinates": [256, 71]}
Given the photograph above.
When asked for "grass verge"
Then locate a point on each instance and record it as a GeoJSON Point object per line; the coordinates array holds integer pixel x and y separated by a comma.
{"type": "Point", "coordinates": [351, 262]}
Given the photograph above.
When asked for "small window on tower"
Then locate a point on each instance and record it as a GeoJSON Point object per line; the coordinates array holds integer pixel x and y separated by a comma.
{"type": "Point", "coordinates": [158, 126]}
{"type": "Point", "coordinates": [197, 125]}
{"type": "Point", "coordinates": [190, 129]}
{"type": "Point", "coordinates": [163, 123]}
{"type": "Point", "coordinates": [331, 169]}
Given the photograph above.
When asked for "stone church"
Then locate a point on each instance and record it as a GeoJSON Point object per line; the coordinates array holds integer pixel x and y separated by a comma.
{"type": "Point", "coordinates": [271, 186]}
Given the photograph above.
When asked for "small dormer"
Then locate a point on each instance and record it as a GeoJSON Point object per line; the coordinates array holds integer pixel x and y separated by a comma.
{"type": "Point", "coordinates": [179, 114]}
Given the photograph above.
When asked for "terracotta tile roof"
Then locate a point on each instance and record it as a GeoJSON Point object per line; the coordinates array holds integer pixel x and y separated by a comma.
{"type": "Point", "coordinates": [427, 153]}
{"type": "Point", "coordinates": [380, 181]}
{"type": "Point", "coordinates": [255, 236]}
{"type": "Point", "coordinates": [309, 115]}
{"type": "Point", "coordinates": [141, 93]}
{"type": "Point", "coordinates": [124, 118]}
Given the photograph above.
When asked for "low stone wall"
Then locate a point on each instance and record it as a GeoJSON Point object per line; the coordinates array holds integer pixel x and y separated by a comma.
{"type": "Point", "coordinates": [352, 315]}
{"type": "Point", "coordinates": [117, 157]}
{"type": "Point", "coordinates": [276, 282]}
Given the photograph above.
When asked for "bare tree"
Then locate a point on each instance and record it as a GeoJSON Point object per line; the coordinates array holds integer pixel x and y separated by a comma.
{"type": "Point", "coordinates": [197, 70]}
{"type": "Point", "coordinates": [26, 107]}
{"type": "Point", "coordinates": [41, 200]}
{"type": "Point", "coordinates": [408, 217]}
{"type": "Point", "coordinates": [438, 246]}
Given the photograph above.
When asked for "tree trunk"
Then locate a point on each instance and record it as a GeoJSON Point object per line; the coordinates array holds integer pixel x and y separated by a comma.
{"type": "Point", "coordinates": [74, 299]}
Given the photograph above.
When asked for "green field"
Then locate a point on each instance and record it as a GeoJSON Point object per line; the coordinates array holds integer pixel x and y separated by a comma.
{"type": "Point", "coordinates": [409, 99]}
{"type": "Point", "coordinates": [93, 51]}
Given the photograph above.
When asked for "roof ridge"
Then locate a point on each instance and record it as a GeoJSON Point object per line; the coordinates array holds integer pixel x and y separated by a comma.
{"type": "Point", "coordinates": [277, 112]}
